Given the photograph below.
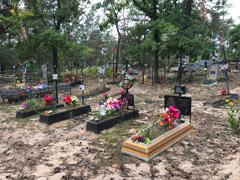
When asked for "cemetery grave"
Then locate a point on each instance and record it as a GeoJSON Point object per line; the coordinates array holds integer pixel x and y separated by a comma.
{"type": "Point", "coordinates": [67, 143]}
{"type": "Point", "coordinates": [119, 90]}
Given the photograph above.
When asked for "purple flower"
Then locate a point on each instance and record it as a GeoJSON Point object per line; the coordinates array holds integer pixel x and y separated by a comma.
{"type": "Point", "coordinates": [141, 138]}
{"type": "Point", "coordinates": [25, 105]}
{"type": "Point", "coordinates": [116, 104]}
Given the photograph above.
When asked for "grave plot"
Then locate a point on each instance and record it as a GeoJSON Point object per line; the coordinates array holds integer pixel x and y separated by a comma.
{"type": "Point", "coordinates": [63, 115]}
{"type": "Point", "coordinates": [40, 90]}
{"type": "Point", "coordinates": [28, 113]}
{"type": "Point", "coordinates": [115, 110]}
{"type": "Point", "coordinates": [72, 110]}
{"type": "Point", "coordinates": [160, 135]}
{"type": "Point", "coordinates": [100, 90]}
{"type": "Point", "coordinates": [225, 94]}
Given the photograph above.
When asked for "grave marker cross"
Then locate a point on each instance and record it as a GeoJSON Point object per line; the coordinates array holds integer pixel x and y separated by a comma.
{"type": "Point", "coordinates": [225, 61]}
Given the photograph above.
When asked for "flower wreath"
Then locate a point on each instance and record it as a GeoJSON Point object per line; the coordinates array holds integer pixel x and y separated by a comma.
{"type": "Point", "coordinates": [125, 78]}
{"type": "Point", "coordinates": [102, 67]}
{"type": "Point", "coordinates": [224, 66]}
{"type": "Point", "coordinates": [184, 63]}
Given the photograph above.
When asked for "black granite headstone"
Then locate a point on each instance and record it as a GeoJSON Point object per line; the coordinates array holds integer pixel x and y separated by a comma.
{"type": "Point", "coordinates": [184, 104]}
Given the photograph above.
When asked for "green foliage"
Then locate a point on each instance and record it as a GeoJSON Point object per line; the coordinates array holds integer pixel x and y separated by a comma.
{"type": "Point", "coordinates": [92, 72]}
{"type": "Point", "coordinates": [34, 103]}
{"type": "Point", "coordinates": [234, 38]}
{"type": "Point", "coordinates": [234, 119]}
{"type": "Point", "coordinates": [188, 78]}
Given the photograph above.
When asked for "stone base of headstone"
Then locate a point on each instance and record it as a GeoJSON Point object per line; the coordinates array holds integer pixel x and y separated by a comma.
{"type": "Point", "coordinates": [209, 85]}
{"type": "Point", "coordinates": [148, 151]}
{"type": "Point", "coordinates": [220, 100]}
{"type": "Point", "coordinates": [98, 126]}
{"type": "Point", "coordinates": [234, 71]}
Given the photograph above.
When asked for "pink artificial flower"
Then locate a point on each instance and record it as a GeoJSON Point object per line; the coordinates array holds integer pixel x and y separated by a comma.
{"type": "Point", "coordinates": [121, 90]}
{"type": "Point", "coordinates": [49, 98]}
{"type": "Point", "coordinates": [171, 108]}
{"type": "Point", "coordinates": [64, 99]}
{"type": "Point", "coordinates": [128, 71]}
{"type": "Point", "coordinates": [175, 114]}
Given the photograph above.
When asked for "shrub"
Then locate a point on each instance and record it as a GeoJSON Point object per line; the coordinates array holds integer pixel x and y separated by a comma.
{"type": "Point", "coordinates": [234, 118]}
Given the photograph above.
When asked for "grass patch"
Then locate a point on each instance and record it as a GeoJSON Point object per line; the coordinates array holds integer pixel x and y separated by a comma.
{"type": "Point", "coordinates": [145, 99]}
{"type": "Point", "coordinates": [113, 143]}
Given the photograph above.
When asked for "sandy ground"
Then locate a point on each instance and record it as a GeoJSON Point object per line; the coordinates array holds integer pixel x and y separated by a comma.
{"type": "Point", "coordinates": [33, 150]}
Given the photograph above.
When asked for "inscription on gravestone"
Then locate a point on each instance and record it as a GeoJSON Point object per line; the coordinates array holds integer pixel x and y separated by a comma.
{"type": "Point", "coordinates": [213, 71]}
{"type": "Point", "coordinates": [184, 104]}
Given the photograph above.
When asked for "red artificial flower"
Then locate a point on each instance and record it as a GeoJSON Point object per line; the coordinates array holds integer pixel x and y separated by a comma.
{"type": "Point", "coordinates": [165, 115]}
{"type": "Point", "coordinates": [135, 138]}
{"type": "Point", "coordinates": [170, 127]}
{"type": "Point", "coordinates": [172, 123]}
{"type": "Point", "coordinates": [166, 120]}
{"type": "Point", "coordinates": [161, 123]}
{"type": "Point", "coordinates": [170, 119]}
{"type": "Point", "coordinates": [128, 71]}
{"type": "Point", "coordinates": [127, 84]}
{"type": "Point", "coordinates": [239, 84]}
{"type": "Point", "coordinates": [64, 99]}
{"type": "Point", "coordinates": [69, 100]}
{"type": "Point", "coordinates": [155, 117]}
{"type": "Point", "coordinates": [224, 91]}
{"type": "Point", "coordinates": [48, 103]}
{"type": "Point", "coordinates": [118, 78]}
{"type": "Point", "coordinates": [66, 80]}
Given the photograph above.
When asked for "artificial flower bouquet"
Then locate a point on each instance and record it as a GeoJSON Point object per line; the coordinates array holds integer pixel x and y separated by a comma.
{"type": "Point", "coordinates": [110, 107]}
{"type": "Point", "coordinates": [223, 92]}
{"type": "Point", "coordinates": [71, 79]}
{"type": "Point", "coordinates": [70, 100]}
{"type": "Point", "coordinates": [49, 100]}
{"type": "Point", "coordinates": [208, 81]}
{"type": "Point", "coordinates": [24, 107]}
{"type": "Point", "coordinates": [224, 67]}
{"type": "Point", "coordinates": [147, 76]}
{"type": "Point", "coordinates": [164, 124]}
{"type": "Point", "coordinates": [106, 96]}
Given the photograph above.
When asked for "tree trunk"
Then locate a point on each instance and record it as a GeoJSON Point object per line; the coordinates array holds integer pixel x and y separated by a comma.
{"type": "Point", "coordinates": [118, 52]}
{"type": "Point", "coordinates": [156, 78]}
{"type": "Point", "coordinates": [55, 58]}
